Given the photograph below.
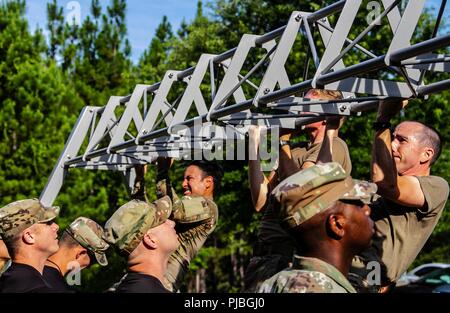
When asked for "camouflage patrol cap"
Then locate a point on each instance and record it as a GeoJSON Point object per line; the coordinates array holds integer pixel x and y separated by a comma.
{"type": "Point", "coordinates": [192, 209]}
{"type": "Point", "coordinates": [19, 215]}
{"type": "Point", "coordinates": [313, 190]}
{"type": "Point", "coordinates": [90, 236]}
{"type": "Point", "coordinates": [128, 225]}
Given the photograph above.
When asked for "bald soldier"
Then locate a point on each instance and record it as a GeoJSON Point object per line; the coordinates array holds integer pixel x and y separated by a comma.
{"type": "Point", "coordinates": [143, 232]}
{"type": "Point", "coordinates": [326, 211]}
{"type": "Point", "coordinates": [411, 199]}
{"type": "Point", "coordinates": [80, 245]}
{"type": "Point", "coordinates": [31, 236]}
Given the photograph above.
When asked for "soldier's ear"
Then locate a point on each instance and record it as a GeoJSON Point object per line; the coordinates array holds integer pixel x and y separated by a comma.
{"type": "Point", "coordinates": [427, 155]}
{"type": "Point", "coordinates": [209, 181]}
{"type": "Point", "coordinates": [150, 241]}
{"type": "Point", "coordinates": [80, 253]}
{"type": "Point", "coordinates": [29, 236]}
{"type": "Point", "coordinates": [336, 225]}
{"type": "Point", "coordinates": [82, 258]}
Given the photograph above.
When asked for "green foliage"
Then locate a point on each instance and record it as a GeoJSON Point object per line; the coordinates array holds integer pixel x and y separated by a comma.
{"type": "Point", "coordinates": [199, 39]}
{"type": "Point", "coordinates": [96, 54]}
{"type": "Point", "coordinates": [153, 62]}
{"type": "Point", "coordinates": [30, 108]}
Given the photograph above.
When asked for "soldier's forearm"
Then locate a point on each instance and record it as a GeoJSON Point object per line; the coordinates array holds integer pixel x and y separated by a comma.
{"type": "Point", "coordinates": [384, 172]}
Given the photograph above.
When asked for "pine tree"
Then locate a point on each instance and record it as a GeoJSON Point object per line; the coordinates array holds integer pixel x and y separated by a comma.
{"type": "Point", "coordinates": [153, 62]}
{"type": "Point", "coordinates": [36, 99]}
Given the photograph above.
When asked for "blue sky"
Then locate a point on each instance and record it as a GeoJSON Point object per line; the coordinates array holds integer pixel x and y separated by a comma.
{"type": "Point", "coordinates": [143, 16]}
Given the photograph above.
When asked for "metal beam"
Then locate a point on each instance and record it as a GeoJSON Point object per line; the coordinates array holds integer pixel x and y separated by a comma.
{"type": "Point", "coordinates": [419, 48]}
{"type": "Point", "coordinates": [71, 148]}
{"type": "Point", "coordinates": [228, 105]}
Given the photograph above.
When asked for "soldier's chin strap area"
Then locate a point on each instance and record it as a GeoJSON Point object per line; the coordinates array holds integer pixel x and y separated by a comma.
{"type": "Point", "coordinates": [197, 123]}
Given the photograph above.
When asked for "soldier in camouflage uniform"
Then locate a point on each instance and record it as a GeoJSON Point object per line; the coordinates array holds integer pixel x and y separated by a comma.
{"type": "Point", "coordinates": [198, 217]}
{"type": "Point", "coordinates": [31, 236]}
{"type": "Point", "coordinates": [326, 212]}
{"type": "Point", "coordinates": [198, 220]}
{"type": "Point", "coordinates": [143, 232]}
{"type": "Point", "coordinates": [274, 247]}
{"type": "Point", "coordinates": [80, 245]}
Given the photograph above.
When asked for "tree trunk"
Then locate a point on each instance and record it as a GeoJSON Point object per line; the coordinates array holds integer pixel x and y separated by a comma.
{"type": "Point", "coordinates": [200, 281]}
{"type": "Point", "coordinates": [234, 265]}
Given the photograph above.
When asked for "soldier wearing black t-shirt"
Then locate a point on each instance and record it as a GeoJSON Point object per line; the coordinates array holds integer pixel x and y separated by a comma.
{"type": "Point", "coordinates": [30, 235]}
{"type": "Point", "coordinates": [141, 283]}
{"type": "Point", "coordinates": [142, 231]}
{"type": "Point", "coordinates": [23, 278]}
{"type": "Point", "coordinates": [55, 279]}
{"type": "Point", "coordinates": [80, 244]}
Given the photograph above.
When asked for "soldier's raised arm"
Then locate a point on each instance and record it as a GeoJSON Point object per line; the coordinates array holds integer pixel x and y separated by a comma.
{"type": "Point", "coordinates": [402, 189]}
{"type": "Point", "coordinates": [259, 183]}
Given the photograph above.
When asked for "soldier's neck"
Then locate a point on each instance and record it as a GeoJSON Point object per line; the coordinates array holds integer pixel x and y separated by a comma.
{"type": "Point", "coordinates": [338, 260]}
{"type": "Point", "coordinates": [209, 194]}
{"type": "Point", "coordinates": [35, 260]}
{"type": "Point", "coordinates": [154, 265]}
{"type": "Point", "coordinates": [58, 261]}
{"type": "Point", "coordinates": [317, 136]}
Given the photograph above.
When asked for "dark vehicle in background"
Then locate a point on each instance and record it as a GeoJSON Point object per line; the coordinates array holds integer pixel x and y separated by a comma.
{"type": "Point", "coordinates": [442, 289]}
{"type": "Point", "coordinates": [435, 281]}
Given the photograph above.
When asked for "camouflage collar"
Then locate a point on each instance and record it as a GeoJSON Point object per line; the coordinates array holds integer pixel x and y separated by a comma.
{"type": "Point", "coordinates": [5, 266]}
{"type": "Point", "coordinates": [314, 264]}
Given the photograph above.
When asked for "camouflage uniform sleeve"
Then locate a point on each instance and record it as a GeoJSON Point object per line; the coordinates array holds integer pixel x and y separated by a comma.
{"type": "Point", "coordinates": [164, 186]}
{"type": "Point", "coordinates": [139, 191]}
{"type": "Point", "coordinates": [4, 265]}
{"type": "Point", "coordinates": [298, 281]}
{"type": "Point", "coordinates": [197, 218]}
{"type": "Point", "coordinates": [189, 210]}
{"type": "Point", "coordinates": [269, 285]}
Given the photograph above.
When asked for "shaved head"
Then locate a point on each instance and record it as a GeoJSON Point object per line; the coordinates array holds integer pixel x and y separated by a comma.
{"type": "Point", "coordinates": [427, 136]}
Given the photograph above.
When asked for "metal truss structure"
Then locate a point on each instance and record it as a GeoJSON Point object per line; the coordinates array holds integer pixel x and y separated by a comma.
{"type": "Point", "coordinates": [189, 109]}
